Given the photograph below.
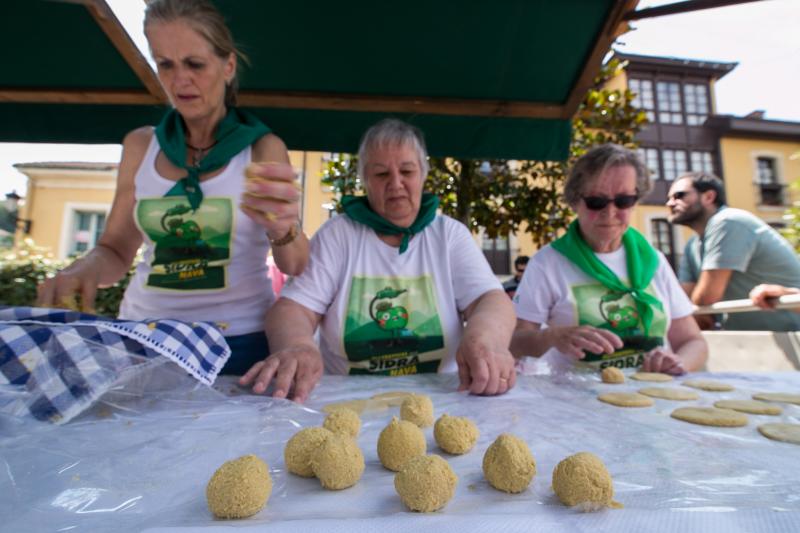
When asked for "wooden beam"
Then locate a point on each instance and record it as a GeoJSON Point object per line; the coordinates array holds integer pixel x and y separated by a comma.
{"type": "Point", "coordinates": [613, 28]}
{"type": "Point", "coordinates": [76, 96]}
{"type": "Point", "coordinates": [682, 7]}
{"type": "Point", "coordinates": [397, 104]}
{"type": "Point", "coordinates": [330, 102]}
{"type": "Point", "coordinates": [116, 33]}
{"type": "Point", "coordinates": [320, 101]}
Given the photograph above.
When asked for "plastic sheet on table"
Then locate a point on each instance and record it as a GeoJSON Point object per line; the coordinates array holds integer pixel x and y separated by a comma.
{"type": "Point", "coordinates": [69, 374]}
{"type": "Point", "coordinates": [55, 363]}
{"type": "Point", "coordinates": [141, 457]}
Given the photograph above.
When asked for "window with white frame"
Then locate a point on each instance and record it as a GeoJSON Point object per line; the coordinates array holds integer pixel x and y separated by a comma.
{"type": "Point", "coordinates": [695, 97]}
{"type": "Point", "coordinates": [663, 239]}
{"type": "Point", "coordinates": [669, 102]}
{"type": "Point", "coordinates": [650, 158]}
{"type": "Point", "coordinates": [86, 230]}
{"type": "Point", "coordinates": [766, 170]}
{"type": "Point", "coordinates": [702, 161]}
{"type": "Point", "coordinates": [674, 163]}
{"type": "Point", "coordinates": [644, 98]}
{"type": "Point", "coordinates": [768, 181]}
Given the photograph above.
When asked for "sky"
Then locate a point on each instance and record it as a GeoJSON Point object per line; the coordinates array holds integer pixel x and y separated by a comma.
{"type": "Point", "coordinates": [762, 37]}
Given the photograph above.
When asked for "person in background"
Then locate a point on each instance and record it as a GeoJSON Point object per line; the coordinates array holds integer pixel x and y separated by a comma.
{"type": "Point", "coordinates": [601, 295]}
{"type": "Point", "coordinates": [181, 190]}
{"type": "Point", "coordinates": [731, 253]}
{"type": "Point", "coordinates": [510, 286]}
{"type": "Point", "coordinates": [391, 284]}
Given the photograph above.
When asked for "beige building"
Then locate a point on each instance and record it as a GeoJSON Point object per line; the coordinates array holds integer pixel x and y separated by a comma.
{"type": "Point", "coordinates": [751, 154]}
{"type": "Point", "coordinates": [760, 160]}
{"type": "Point", "coordinates": [67, 203]}
{"type": "Point", "coordinates": [755, 157]}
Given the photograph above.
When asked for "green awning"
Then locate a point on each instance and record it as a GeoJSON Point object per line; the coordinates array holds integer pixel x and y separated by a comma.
{"type": "Point", "coordinates": [483, 79]}
{"type": "Point", "coordinates": [71, 74]}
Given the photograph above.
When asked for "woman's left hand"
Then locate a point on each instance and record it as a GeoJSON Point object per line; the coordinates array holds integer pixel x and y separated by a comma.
{"type": "Point", "coordinates": [484, 369]}
{"type": "Point", "coordinates": [273, 196]}
{"type": "Point", "coordinates": [664, 361]}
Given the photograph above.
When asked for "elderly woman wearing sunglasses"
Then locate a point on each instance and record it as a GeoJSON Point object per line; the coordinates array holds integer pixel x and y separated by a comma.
{"type": "Point", "coordinates": [601, 295]}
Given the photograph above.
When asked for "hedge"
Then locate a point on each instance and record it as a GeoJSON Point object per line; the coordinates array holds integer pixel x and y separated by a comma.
{"type": "Point", "coordinates": [23, 267]}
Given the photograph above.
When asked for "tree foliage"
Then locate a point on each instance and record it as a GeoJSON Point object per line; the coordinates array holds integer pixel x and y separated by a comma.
{"type": "Point", "coordinates": [503, 197]}
{"type": "Point", "coordinates": [792, 215]}
{"type": "Point", "coordinates": [23, 267]}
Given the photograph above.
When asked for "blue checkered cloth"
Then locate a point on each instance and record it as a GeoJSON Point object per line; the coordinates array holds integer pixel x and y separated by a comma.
{"type": "Point", "coordinates": [66, 360]}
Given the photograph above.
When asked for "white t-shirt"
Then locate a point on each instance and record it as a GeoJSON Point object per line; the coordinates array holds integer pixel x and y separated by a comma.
{"type": "Point", "coordinates": [389, 313]}
{"type": "Point", "coordinates": [208, 265]}
{"type": "Point", "coordinates": [555, 292]}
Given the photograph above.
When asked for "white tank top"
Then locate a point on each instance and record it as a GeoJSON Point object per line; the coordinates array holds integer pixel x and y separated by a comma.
{"type": "Point", "coordinates": [208, 265]}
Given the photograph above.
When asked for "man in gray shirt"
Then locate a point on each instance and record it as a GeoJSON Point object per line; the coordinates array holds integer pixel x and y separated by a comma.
{"type": "Point", "coordinates": [732, 252]}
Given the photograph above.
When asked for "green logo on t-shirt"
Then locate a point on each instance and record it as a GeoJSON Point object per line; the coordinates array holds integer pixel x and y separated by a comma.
{"type": "Point", "coordinates": [192, 249]}
{"type": "Point", "coordinates": [614, 311]}
{"type": "Point", "coordinates": [392, 326]}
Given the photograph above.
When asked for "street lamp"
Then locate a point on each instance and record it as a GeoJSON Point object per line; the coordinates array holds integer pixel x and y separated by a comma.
{"type": "Point", "coordinates": [12, 209]}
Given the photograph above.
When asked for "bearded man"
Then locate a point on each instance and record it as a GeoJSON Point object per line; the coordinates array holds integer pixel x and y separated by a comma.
{"type": "Point", "coordinates": [732, 252]}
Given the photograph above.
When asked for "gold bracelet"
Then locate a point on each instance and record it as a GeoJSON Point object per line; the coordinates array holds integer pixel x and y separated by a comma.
{"type": "Point", "coordinates": [286, 239]}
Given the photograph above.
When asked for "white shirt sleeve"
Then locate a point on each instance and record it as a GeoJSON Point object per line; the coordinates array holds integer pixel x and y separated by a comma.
{"type": "Point", "coordinates": [472, 276]}
{"type": "Point", "coordinates": [535, 298]}
{"type": "Point", "coordinates": [317, 286]}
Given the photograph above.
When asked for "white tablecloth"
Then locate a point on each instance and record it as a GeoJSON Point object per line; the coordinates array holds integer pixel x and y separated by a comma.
{"type": "Point", "coordinates": [141, 458]}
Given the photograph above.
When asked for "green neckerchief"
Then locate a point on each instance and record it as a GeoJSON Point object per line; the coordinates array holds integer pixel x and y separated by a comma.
{"type": "Point", "coordinates": [358, 209]}
{"type": "Point", "coordinates": [641, 258]}
{"type": "Point", "coordinates": [238, 130]}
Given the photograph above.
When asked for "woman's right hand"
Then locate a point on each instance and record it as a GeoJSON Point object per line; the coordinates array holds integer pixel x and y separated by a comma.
{"type": "Point", "coordinates": [81, 278]}
{"type": "Point", "coordinates": [272, 197]}
{"type": "Point", "coordinates": [298, 367]}
{"type": "Point", "coordinates": [575, 341]}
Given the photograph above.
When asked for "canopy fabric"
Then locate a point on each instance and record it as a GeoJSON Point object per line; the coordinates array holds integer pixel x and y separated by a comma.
{"type": "Point", "coordinates": [482, 79]}
{"type": "Point", "coordinates": [71, 74]}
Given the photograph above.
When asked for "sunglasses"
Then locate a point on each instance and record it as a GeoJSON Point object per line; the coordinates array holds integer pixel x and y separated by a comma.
{"type": "Point", "coordinates": [620, 201]}
{"type": "Point", "coordinates": [679, 195]}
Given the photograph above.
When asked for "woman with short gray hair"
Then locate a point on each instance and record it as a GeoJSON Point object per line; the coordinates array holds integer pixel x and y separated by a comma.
{"type": "Point", "coordinates": [606, 296]}
{"type": "Point", "coordinates": [397, 132]}
{"type": "Point", "coordinates": [597, 160]}
{"type": "Point", "coordinates": [390, 283]}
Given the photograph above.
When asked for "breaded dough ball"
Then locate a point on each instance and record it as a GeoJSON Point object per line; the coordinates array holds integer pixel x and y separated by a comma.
{"type": "Point", "coordinates": [612, 374]}
{"type": "Point", "coordinates": [582, 479]}
{"type": "Point", "coordinates": [455, 434]}
{"type": "Point", "coordinates": [338, 462]}
{"type": "Point", "coordinates": [301, 447]}
{"type": "Point", "coordinates": [425, 483]}
{"type": "Point", "coordinates": [398, 442]}
{"type": "Point", "coordinates": [417, 409]}
{"type": "Point", "coordinates": [239, 488]}
{"type": "Point", "coordinates": [508, 464]}
{"type": "Point", "coordinates": [344, 422]}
